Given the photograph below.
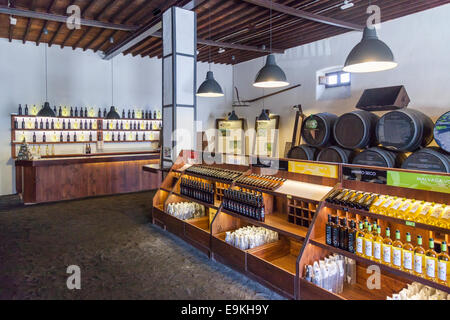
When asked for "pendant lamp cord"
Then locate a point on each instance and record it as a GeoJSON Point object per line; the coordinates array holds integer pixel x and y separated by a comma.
{"type": "Point", "coordinates": [46, 74]}
{"type": "Point", "coordinates": [270, 28]}
{"type": "Point", "coordinates": [209, 31]}
{"type": "Point", "coordinates": [112, 82]}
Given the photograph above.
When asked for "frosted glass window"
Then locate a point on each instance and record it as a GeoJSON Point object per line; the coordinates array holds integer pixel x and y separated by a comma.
{"type": "Point", "coordinates": [185, 80]}
{"type": "Point", "coordinates": [167, 81]}
{"type": "Point", "coordinates": [167, 32]}
{"type": "Point", "coordinates": [185, 27]}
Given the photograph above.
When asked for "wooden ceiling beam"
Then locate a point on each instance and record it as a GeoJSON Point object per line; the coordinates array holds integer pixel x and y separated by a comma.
{"type": "Point", "coordinates": [305, 15]}
{"type": "Point", "coordinates": [27, 30]}
{"type": "Point", "coordinates": [100, 14]}
{"type": "Point", "coordinates": [49, 10]}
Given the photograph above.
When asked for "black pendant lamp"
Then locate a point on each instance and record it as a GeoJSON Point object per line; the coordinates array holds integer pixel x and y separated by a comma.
{"type": "Point", "coordinates": [112, 114]}
{"type": "Point", "coordinates": [47, 110]}
{"type": "Point", "coordinates": [370, 55]}
{"type": "Point", "coordinates": [210, 88]}
{"type": "Point", "coordinates": [271, 75]}
{"type": "Point", "coordinates": [264, 116]}
{"type": "Point", "coordinates": [233, 116]}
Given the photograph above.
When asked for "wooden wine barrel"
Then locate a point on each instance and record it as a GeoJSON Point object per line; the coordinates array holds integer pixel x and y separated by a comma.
{"type": "Point", "coordinates": [335, 154]}
{"type": "Point", "coordinates": [405, 130]}
{"type": "Point", "coordinates": [355, 130]}
{"type": "Point", "coordinates": [317, 129]}
{"type": "Point", "coordinates": [379, 158]}
{"type": "Point", "coordinates": [442, 131]}
{"type": "Point", "coordinates": [428, 159]}
{"type": "Point", "coordinates": [303, 152]}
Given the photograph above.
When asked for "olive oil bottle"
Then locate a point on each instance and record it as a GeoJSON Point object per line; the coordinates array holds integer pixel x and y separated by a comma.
{"type": "Point", "coordinates": [387, 248]}
{"type": "Point", "coordinates": [443, 265]}
{"type": "Point", "coordinates": [397, 248]}
{"type": "Point", "coordinates": [368, 243]}
{"type": "Point", "coordinates": [401, 212]}
{"type": "Point", "coordinates": [408, 253]}
{"type": "Point", "coordinates": [376, 206]}
{"type": "Point", "coordinates": [384, 209]}
{"type": "Point", "coordinates": [430, 261]}
{"type": "Point", "coordinates": [419, 258]}
{"type": "Point", "coordinates": [377, 244]}
{"type": "Point", "coordinates": [413, 210]}
{"type": "Point", "coordinates": [360, 235]}
{"type": "Point", "coordinates": [422, 215]}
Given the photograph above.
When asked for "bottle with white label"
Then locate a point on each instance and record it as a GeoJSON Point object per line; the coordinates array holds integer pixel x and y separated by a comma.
{"type": "Point", "coordinates": [408, 254]}
{"type": "Point", "coordinates": [368, 243]}
{"type": "Point", "coordinates": [377, 244]}
{"type": "Point", "coordinates": [443, 265]}
{"type": "Point", "coordinates": [419, 258]}
{"type": "Point", "coordinates": [397, 248]}
{"type": "Point", "coordinates": [430, 262]}
{"type": "Point", "coordinates": [387, 248]}
{"type": "Point", "coordinates": [360, 240]}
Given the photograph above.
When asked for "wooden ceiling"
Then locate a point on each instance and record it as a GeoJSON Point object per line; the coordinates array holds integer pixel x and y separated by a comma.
{"type": "Point", "coordinates": [232, 22]}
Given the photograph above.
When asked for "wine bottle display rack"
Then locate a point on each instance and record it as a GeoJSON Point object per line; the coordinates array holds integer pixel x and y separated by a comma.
{"type": "Point", "coordinates": [301, 212]}
{"type": "Point", "coordinates": [81, 130]}
{"type": "Point", "coordinates": [216, 173]}
{"type": "Point", "coordinates": [262, 182]}
{"type": "Point", "coordinates": [298, 212]}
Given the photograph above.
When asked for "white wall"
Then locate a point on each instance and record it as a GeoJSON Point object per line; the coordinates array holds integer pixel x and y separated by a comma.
{"type": "Point", "coordinates": [420, 46]}
{"type": "Point", "coordinates": [80, 78]}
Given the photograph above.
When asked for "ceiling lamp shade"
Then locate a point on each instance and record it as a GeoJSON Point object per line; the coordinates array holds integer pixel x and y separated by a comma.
{"type": "Point", "coordinates": [210, 88]}
{"type": "Point", "coordinates": [233, 116]}
{"type": "Point", "coordinates": [264, 116]}
{"type": "Point", "coordinates": [46, 111]}
{"type": "Point", "coordinates": [112, 114]}
{"type": "Point", "coordinates": [370, 55]}
{"type": "Point", "coordinates": [271, 75]}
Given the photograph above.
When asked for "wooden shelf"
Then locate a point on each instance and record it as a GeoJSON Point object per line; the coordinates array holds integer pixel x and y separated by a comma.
{"type": "Point", "coordinates": [134, 141]}
{"type": "Point", "coordinates": [214, 206]}
{"type": "Point", "coordinates": [404, 275]}
{"type": "Point", "coordinates": [275, 222]}
{"type": "Point", "coordinates": [387, 218]}
{"type": "Point", "coordinates": [85, 118]}
{"type": "Point", "coordinates": [58, 142]}
{"type": "Point", "coordinates": [50, 130]}
{"type": "Point", "coordinates": [128, 130]}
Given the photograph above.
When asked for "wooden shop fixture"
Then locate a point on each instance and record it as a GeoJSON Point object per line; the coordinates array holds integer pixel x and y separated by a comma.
{"type": "Point", "coordinates": [298, 212]}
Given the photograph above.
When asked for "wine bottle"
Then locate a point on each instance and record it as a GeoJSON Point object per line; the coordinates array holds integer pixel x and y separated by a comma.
{"type": "Point", "coordinates": [20, 109]}
{"type": "Point", "coordinates": [328, 228]}
{"type": "Point", "coordinates": [41, 126]}
{"type": "Point", "coordinates": [23, 123]}
{"type": "Point", "coordinates": [123, 114]}
{"type": "Point", "coordinates": [26, 109]}
{"type": "Point", "coordinates": [34, 137]}
{"type": "Point", "coordinates": [61, 137]}
{"type": "Point", "coordinates": [76, 112]}
{"type": "Point", "coordinates": [71, 111]}
{"type": "Point", "coordinates": [129, 114]}
{"type": "Point", "coordinates": [16, 124]}
{"type": "Point", "coordinates": [52, 124]}
{"type": "Point", "coordinates": [54, 110]}
{"type": "Point", "coordinates": [44, 138]}
{"type": "Point", "coordinates": [85, 112]}
{"type": "Point", "coordinates": [68, 137]}
{"type": "Point", "coordinates": [104, 113]}
{"type": "Point", "coordinates": [60, 112]}
{"type": "Point", "coordinates": [99, 113]}
{"type": "Point", "coordinates": [133, 115]}
{"type": "Point", "coordinates": [154, 115]}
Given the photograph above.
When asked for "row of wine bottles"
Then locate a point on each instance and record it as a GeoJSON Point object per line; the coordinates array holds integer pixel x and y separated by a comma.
{"type": "Point", "coordinates": [83, 113]}
{"type": "Point", "coordinates": [69, 137]}
{"type": "Point", "coordinates": [247, 203]}
{"type": "Point", "coordinates": [197, 189]}
{"type": "Point", "coordinates": [368, 242]}
{"type": "Point", "coordinates": [212, 172]}
{"type": "Point", "coordinates": [52, 125]}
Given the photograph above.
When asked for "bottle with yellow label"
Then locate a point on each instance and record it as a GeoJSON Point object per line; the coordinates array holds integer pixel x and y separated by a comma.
{"type": "Point", "coordinates": [443, 265]}
{"type": "Point", "coordinates": [360, 235]}
{"type": "Point", "coordinates": [444, 221]}
{"type": "Point", "coordinates": [368, 244]}
{"type": "Point", "coordinates": [397, 248]}
{"type": "Point", "coordinates": [430, 262]}
{"type": "Point", "coordinates": [392, 211]}
{"type": "Point", "coordinates": [376, 205]}
{"type": "Point", "coordinates": [424, 212]}
{"type": "Point", "coordinates": [403, 209]}
{"type": "Point", "coordinates": [384, 208]}
{"type": "Point", "coordinates": [377, 244]}
{"type": "Point", "coordinates": [413, 210]}
{"type": "Point", "coordinates": [419, 258]}
{"type": "Point", "coordinates": [387, 248]}
{"type": "Point", "coordinates": [435, 215]}
{"type": "Point", "coordinates": [408, 254]}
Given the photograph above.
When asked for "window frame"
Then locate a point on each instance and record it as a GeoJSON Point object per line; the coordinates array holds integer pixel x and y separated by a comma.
{"type": "Point", "coordinates": [339, 83]}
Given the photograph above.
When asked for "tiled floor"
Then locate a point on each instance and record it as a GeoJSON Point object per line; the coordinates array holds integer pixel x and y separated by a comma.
{"type": "Point", "coordinates": [120, 255]}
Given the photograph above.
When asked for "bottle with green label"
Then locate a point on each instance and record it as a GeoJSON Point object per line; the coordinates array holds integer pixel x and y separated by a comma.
{"type": "Point", "coordinates": [408, 253]}
{"type": "Point", "coordinates": [430, 261]}
{"type": "Point", "coordinates": [397, 248]}
{"type": "Point", "coordinates": [443, 265]}
{"type": "Point", "coordinates": [419, 258]}
{"type": "Point", "coordinates": [387, 248]}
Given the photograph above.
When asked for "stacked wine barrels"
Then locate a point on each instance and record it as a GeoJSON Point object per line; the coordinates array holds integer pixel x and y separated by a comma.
{"type": "Point", "coordinates": [361, 137]}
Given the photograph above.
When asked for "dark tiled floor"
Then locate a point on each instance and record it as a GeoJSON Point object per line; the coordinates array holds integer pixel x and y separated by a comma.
{"type": "Point", "coordinates": [121, 255]}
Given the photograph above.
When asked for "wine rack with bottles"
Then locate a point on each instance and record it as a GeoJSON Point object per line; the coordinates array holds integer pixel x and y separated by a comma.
{"type": "Point", "coordinates": [353, 222]}
{"type": "Point", "coordinates": [81, 129]}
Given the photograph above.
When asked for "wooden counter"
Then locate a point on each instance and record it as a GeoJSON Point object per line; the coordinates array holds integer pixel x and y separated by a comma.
{"type": "Point", "coordinates": [56, 179]}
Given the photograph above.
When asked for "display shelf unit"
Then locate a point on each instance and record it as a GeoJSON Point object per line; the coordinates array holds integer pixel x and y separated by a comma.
{"type": "Point", "coordinates": [274, 264]}
{"type": "Point", "coordinates": [392, 279]}
{"type": "Point", "coordinates": [99, 130]}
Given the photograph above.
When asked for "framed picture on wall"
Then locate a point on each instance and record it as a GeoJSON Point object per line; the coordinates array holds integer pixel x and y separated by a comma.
{"type": "Point", "coordinates": [266, 138]}
{"type": "Point", "coordinates": [230, 136]}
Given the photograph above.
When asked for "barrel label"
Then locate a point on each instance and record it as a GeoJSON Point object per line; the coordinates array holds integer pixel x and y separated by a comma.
{"type": "Point", "coordinates": [321, 170]}
{"type": "Point", "coordinates": [364, 175]}
{"type": "Point", "coordinates": [419, 181]}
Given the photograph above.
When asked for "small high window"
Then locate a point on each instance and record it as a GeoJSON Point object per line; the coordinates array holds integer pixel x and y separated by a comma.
{"type": "Point", "coordinates": [337, 79]}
